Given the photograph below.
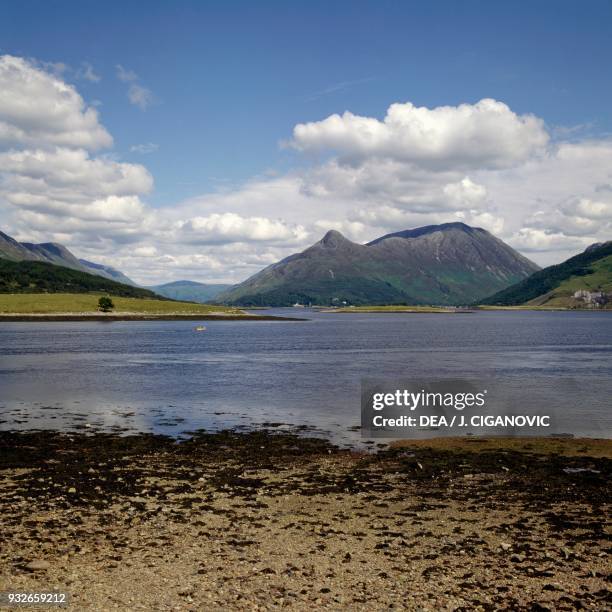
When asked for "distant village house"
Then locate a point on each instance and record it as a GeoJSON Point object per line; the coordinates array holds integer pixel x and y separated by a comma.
{"type": "Point", "coordinates": [595, 299]}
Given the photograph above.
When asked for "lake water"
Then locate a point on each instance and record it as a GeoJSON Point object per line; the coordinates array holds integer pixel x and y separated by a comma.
{"type": "Point", "coordinates": [165, 377]}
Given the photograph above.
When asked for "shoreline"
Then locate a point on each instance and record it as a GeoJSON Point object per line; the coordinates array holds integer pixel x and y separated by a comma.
{"type": "Point", "coordinates": [4, 318]}
{"type": "Point", "coordinates": [235, 521]}
{"type": "Point", "coordinates": [399, 311]}
{"type": "Point", "coordinates": [475, 309]}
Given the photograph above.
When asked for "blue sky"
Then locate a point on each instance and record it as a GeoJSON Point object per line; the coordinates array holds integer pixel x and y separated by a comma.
{"type": "Point", "coordinates": [225, 82]}
{"type": "Point", "coordinates": [231, 79]}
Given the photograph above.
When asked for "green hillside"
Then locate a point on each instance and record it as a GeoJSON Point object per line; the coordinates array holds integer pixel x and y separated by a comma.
{"type": "Point", "coordinates": [41, 277]}
{"type": "Point", "coordinates": [555, 285]}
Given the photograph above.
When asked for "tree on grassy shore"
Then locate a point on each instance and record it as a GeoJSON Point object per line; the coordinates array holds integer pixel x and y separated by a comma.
{"type": "Point", "coordinates": [105, 304]}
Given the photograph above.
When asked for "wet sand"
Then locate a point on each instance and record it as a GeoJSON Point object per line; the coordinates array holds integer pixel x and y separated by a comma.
{"type": "Point", "coordinates": [258, 521]}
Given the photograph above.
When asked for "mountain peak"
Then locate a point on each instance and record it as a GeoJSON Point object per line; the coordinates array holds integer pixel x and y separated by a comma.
{"type": "Point", "coordinates": [334, 239]}
{"type": "Point", "coordinates": [597, 245]}
{"type": "Point", "coordinates": [429, 229]}
{"type": "Point", "coordinates": [450, 264]}
{"type": "Point", "coordinates": [54, 247]}
{"type": "Point", "coordinates": [8, 238]}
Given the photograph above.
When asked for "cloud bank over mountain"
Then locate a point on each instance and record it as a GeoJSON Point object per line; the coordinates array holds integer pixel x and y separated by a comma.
{"type": "Point", "coordinates": [481, 163]}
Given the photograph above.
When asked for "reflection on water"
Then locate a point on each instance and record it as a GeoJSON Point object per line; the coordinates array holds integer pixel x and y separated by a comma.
{"type": "Point", "coordinates": [164, 377]}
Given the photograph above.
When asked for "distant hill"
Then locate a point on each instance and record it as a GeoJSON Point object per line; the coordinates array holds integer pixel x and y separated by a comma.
{"type": "Point", "coordinates": [555, 285]}
{"type": "Point", "coordinates": [54, 253]}
{"type": "Point", "coordinates": [448, 264]}
{"type": "Point", "coordinates": [43, 277]}
{"type": "Point", "coordinates": [190, 291]}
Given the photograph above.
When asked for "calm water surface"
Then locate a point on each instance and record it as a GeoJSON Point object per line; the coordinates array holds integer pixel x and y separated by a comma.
{"type": "Point", "coordinates": [164, 377]}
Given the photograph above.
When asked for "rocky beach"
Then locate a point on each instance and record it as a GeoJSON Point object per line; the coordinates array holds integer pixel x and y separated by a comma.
{"type": "Point", "coordinates": [266, 520]}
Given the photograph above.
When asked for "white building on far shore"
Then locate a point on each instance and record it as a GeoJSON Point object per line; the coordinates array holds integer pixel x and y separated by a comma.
{"type": "Point", "coordinates": [594, 298]}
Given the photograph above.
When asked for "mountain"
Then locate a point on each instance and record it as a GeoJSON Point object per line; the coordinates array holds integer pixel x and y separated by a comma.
{"type": "Point", "coordinates": [44, 277]}
{"type": "Point", "coordinates": [57, 254]}
{"type": "Point", "coordinates": [190, 291]}
{"type": "Point", "coordinates": [451, 263]}
{"type": "Point", "coordinates": [11, 249]}
{"type": "Point", "coordinates": [590, 271]}
{"type": "Point", "coordinates": [107, 272]}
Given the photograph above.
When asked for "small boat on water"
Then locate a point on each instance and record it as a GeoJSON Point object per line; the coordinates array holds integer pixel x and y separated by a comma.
{"type": "Point", "coordinates": [200, 328]}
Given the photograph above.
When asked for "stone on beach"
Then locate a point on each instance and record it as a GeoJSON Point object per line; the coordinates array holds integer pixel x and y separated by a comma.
{"type": "Point", "coordinates": [37, 565]}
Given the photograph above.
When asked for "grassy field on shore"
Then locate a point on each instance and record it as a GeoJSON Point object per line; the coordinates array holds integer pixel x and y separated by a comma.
{"type": "Point", "coordinates": [87, 303]}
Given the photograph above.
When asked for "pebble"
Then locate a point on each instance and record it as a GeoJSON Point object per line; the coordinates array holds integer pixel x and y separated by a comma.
{"type": "Point", "coordinates": [38, 565]}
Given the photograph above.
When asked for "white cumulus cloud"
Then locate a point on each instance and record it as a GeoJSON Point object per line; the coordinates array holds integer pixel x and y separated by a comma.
{"type": "Point", "coordinates": [50, 177]}
{"type": "Point", "coordinates": [465, 193]}
{"type": "Point", "coordinates": [591, 209]}
{"type": "Point", "coordinates": [485, 134]}
{"type": "Point", "coordinates": [38, 109]}
{"type": "Point", "coordinates": [230, 227]}
{"type": "Point", "coordinates": [531, 239]}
